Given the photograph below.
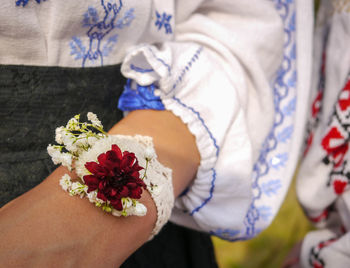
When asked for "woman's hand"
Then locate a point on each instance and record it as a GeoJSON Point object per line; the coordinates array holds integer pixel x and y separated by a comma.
{"type": "Point", "coordinates": [48, 228]}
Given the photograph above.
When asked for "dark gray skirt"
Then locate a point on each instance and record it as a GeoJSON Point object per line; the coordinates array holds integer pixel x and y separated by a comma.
{"type": "Point", "coordinates": [33, 102]}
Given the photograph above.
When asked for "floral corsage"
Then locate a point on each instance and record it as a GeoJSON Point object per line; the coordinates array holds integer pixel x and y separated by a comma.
{"type": "Point", "coordinates": [111, 169]}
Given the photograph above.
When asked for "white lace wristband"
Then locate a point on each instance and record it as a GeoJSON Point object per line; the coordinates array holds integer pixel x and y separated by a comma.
{"type": "Point", "coordinates": [113, 169]}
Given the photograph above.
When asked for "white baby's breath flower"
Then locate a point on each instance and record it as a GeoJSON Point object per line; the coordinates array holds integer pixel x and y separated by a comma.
{"type": "Point", "coordinates": [65, 182]}
{"type": "Point", "coordinates": [55, 154]}
{"type": "Point", "coordinates": [116, 213]}
{"type": "Point", "coordinates": [60, 132]}
{"type": "Point", "coordinates": [92, 196]}
{"type": "Point", "coordinates": [58, 157]}
{"type": "Point", "coordinates": [92, 140]}
{"type": "Point", "coordinates": [82, 140]}
{"type": "Point", "coordinates": [94, 120]}
{"type": "Point", "coordinates": [127, 202]}
{"type": "Point", "coordinates": [66, 160]}
{"type": "Point", "coordinates": [140, 209]}
{"type": "Point", "coordinates": [73, 124]}
{"type": "Point", "coordinates": [149, 153]}
{"type": "Point", "coordinates": [78, 189]}
{"type": "Point", "coordinates": [136, 208]}
{"type": "Point", "coordinates": [69, 142]}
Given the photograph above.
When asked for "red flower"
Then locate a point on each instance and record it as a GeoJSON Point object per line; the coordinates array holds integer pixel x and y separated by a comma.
{"type": "Point", "coordinates": [116, 175]}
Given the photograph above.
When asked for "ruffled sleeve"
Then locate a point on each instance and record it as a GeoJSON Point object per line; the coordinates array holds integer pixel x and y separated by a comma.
{"type": "Point", "coordinates": [214, 70]}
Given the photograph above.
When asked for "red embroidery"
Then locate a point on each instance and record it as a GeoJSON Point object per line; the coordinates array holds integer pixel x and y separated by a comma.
{"type": "Point", "coordinates": [344, 99]}
{"type": "Point", "coordinates": [316, 105]}
{"type": "Point", "coordinates": [317, 265]}
{"type": "Point", "coordinates": [336, 142]}
{"type": "Point", "coordinates": [321, 217]}
{"type": "Point", "coordinates": [314, 257]}
{"type": "Point", "coordinates": [333, 144]}
{"type": "Point", "coordinates": [339, 186]}
{"type": "Point", "coordinates": [308, 143]}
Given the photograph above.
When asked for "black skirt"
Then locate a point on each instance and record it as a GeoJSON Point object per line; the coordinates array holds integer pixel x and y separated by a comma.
{"type": "Point", "coordinates": [33, 102]}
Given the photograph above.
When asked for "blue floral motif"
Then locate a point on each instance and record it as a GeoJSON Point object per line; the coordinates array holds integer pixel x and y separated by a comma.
{"type": "Point", "coordinates": [126, 20]}
{"type": "Point", "coordinates": [101, 40]}
{"type": "Point", "coordinates": [289, 109]}
{"type": "Point", "coordinates": [292, 80]}
{"type": "Point", "coordinates": [279, 160]}
{"type": "Point", "coordinates": [77, 48]}
{"type": "Point", "coordinates": [226, 234]}
{"type": "Point", "coordinates": [25, 2]}
{"type": "Point", "coordinates": [90, 17]}
{"type": "Point", "coordinates": [109, 45]}
{"type": "Point", "coordinates": [163, 20]}
{"type": "Point", "coordinates": [142, 97]}
{"type": "Point", "coordinates": [265, 212]}
{"type": "Point", "coordinates": [283, 86]}
{"type": "Point", "coordinates": [285, 134]}
{"type": "Point", "coordinates": [293, 52]}
{"type": "Point", "coordinates": [271, 188]}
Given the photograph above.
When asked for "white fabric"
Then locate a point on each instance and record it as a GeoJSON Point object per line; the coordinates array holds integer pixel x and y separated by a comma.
{"type": "Point", "coordinates": [159, 184]}
{"type": "Point", "coordinates": [323, 181]}
{"type": "Point", "coordinates": [227, 68]}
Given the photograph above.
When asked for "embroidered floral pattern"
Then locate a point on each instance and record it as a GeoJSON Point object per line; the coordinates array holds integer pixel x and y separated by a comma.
{"type": "Point", "coordinates": [101, 33]}
{"type": "Point", "coordinates": [271, 188]}
{"type": "Point", "coordinates": [314, 258]}
{"type": "Point", "coordinates": [336, 142]}
{"type": "Point", "coordinates": [163, 21]}
{"type": "Point", "coordinates": [279, 138]}
{"type": "Point", "coordinates": [321, 217]}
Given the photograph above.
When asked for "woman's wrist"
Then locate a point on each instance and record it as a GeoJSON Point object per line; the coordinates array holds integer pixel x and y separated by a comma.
{"type": "Point", "coordinates": [174, 144]}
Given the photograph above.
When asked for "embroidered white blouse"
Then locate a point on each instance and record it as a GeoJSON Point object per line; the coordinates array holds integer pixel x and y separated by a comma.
{"type": "Point", "coordinates": [235, 71]}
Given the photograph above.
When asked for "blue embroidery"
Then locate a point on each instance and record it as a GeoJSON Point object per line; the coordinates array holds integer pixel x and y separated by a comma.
{"type": "Point", "coordinates": [265, 212]}
{"type": "Point", "coordinates": [186, 68]}
{"type": "Point", "coordinates": [99, 29]}
{"type": "Point", "coordinates": [292, 80]}
{"type": "Point", "coordinates": [139, 69]}
{"type": "Point", "coordinates": [140, 98]}
{"type": "Point", "coordinates": [202, 121]}
{"type": "Point", "coordinates": [212, 183]}
{"type": "Point", "coordinates": [286, 9]}
{"type": "Point", "coordinates": [126, 20]}
{"type": "Point", "coordinates": [161, 61]}
{"type": "Point", "coordinates": [184, 192]}
{"type": "Point", "coordinates": [90, 17]}
{"type": "Point", "coordinates": [285, 134]}
{"type": "Point", "coordinates": [25, 2]}
{"type": "Point", "coordinates": [289, 109]}
{"type": "Point", "coordinates": [293, 52]}
{"type": "Point", "coordinates": [109, 45]}
{"type": "Point", "coordinates": [271, 188]}
{"type": "Point", "coordinates": [77, 48]}
{"type": "Point", "coordinates": [163, 20]}
{"type": "Point", "coordinates": [279, 161]}
{"type": "Point", "coordinates": [226, 234]}
{"type": "Point", "coordinates": [211, 191]}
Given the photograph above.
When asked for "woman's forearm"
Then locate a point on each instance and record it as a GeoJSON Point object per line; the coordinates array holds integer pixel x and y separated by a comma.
{"type": "Point", "coordinates": [46, 226]}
